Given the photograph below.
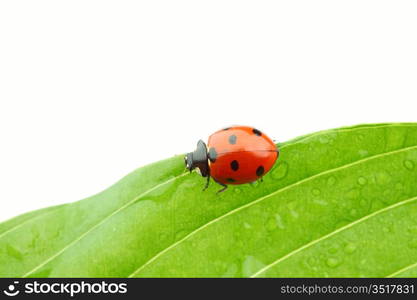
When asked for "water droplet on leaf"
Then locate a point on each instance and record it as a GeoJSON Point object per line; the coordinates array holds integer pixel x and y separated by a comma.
{"type": "Point", "coordinates": [333, 249]}
{"type": "Point", "coordinates": [350, 248]}
{"type": "Point", "coordinates": [280, 171]}
{"type": "Point", "coordinates": [363, 202]}
{"type": "Point", "coordinates": [362, 181]}
{"type": "Point", "coordinates": [254, 184]}
{"type": "Point", "coordinates": [294, 213]}
{"type": "Point", "coordinates": [332, 262]}
{"type": "Point", "coordinates": [409, 165]}
{"type": "Point", "coordinates": [363, 153]}
{"type": "Point", "coordinates": [271, 224]}
{"type": "Point", "coordinates": [331, 180]}
{"type": "Point", "coordinates": [353, 212]}
{"type": "Point", "coordinates": [237, 190]}
{"type": "Point", "coordinates": [278, 219]}
{"type": "Point", "coordinates": [316, 192]}
{"type": "Point", "coordinates": [399, 186]}
{"type": "Point", "coordinates": [180, 234]}
{"type": "Point", "coordinates": [324, 139]}
{"type": "Point", "coordinates": [383, 178]}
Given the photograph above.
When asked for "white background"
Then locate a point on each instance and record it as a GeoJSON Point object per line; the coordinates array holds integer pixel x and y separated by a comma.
{"type": "Point", "coordinates": [90, 90]}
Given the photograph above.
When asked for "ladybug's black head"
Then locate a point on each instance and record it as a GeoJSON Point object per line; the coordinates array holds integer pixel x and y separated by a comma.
{"type": "Point", "coordinates": [198, 159]}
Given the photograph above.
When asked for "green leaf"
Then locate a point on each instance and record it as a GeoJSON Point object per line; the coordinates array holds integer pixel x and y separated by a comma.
{"type": "Point", "coordinates": [338, 203]}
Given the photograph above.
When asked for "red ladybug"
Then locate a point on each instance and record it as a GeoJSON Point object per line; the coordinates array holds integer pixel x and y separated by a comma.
{"type": "Point", "coordinates": [234, 155]}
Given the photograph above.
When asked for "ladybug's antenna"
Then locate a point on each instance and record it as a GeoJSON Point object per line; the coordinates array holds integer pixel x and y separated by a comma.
{"type": "Point", "coordinates": [187, 165]}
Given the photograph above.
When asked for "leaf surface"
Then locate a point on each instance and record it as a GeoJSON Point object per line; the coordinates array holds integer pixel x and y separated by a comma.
{"type": "Point", "coordinates": [339, 202]}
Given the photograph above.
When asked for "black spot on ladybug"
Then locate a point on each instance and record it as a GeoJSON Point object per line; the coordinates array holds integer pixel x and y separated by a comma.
{"type": "Point", "coordinates": [259, 171]}
{"type": "Point", "coordinates": [257, 132]}
{"type": "Point", "coordinates": [232, 139]}
{"type": "Point", "coordinates": [230, 180]}
{"type": "Point", "coordinates": [212, 154]}
{"type": "Point", "coordinates": [227, 128]}
{"type": "Point", "coordinates": [234, 165]}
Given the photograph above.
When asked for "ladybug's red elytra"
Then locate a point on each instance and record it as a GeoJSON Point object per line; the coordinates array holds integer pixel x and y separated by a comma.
{"type": "Point", "coordinates": [233, 155]}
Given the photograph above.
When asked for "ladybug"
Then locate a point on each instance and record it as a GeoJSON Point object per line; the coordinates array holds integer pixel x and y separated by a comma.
{"type": "Point", "coordinates": [233, 155]}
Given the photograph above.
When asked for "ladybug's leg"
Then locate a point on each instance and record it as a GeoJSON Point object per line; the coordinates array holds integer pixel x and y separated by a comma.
{"type": "Point", "coordinates": [223, 189]}
{"type": "Point", "coordinates": [208, 182]}
{"type": "Point", "coordinates": [222, 184]}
